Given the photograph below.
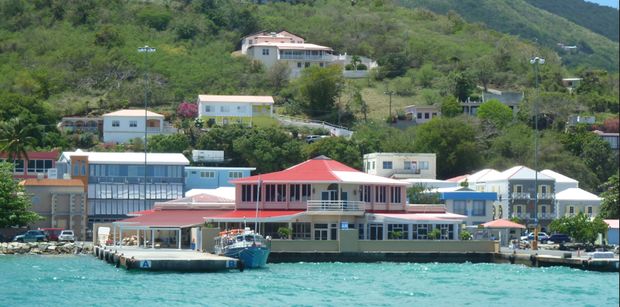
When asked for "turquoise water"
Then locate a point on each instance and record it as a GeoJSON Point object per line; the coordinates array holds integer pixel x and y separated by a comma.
{"type": "Point", "coordinates": [85, 280]}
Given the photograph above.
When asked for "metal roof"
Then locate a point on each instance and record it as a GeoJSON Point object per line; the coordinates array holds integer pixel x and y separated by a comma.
{"type": "Point", "coordinates": [127, 157]}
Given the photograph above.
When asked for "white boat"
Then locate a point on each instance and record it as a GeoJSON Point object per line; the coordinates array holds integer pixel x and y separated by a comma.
{"type": "Point", "coordinates": [244, 244]}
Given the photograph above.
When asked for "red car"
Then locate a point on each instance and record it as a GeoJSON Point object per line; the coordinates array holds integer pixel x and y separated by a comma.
{"type": "Point", "coordinates": [52, 233]}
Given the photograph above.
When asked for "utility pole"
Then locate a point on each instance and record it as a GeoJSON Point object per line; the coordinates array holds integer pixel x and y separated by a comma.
{"type": "Point", "coordinates": [536, 61]}
{"type": "Point", "coordinates": [146, 50]}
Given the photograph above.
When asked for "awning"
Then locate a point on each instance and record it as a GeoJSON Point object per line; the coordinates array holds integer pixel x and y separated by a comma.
{"type": "Point", "coordinates": [250, 215]}
{"type": "Point", "coordinates": [502, 223]}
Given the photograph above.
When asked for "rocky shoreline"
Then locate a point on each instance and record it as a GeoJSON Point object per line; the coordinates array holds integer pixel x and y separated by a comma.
{"type": "Point", "coordinates": [45, 248]}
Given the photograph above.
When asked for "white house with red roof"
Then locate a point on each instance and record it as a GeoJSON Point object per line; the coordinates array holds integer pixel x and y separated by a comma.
{"type": "Point", "coordinates": [314, 199]}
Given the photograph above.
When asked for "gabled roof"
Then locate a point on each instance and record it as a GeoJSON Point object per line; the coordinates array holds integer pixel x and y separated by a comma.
{"type": "Point", "coordinates": [517, 173]}
{"type": "Point", "coordinates": [320, 169]}
{"type": "Point", "coordinates": [482, 175]}
{"type": "Point", "coordinates": [127, 157]}
{"type": "Point", "coordinates": [576, 194]}
{"type": "Point", "coordinates": [235, 98]}
{"type": "Point", "coordinates": [612, 223]}
{"type": "Point", "coordinates": [458, 178]}
{"type": "Point", "coordinates": [132, 113]}
{"type": "Point", "coordinates": [558, 177]}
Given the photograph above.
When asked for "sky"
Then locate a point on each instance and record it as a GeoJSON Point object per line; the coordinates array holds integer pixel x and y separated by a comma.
{"type": "Point", "coordinates": [612, 3]}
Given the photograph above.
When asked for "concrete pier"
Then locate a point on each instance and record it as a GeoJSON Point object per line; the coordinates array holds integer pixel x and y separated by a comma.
{"type": "Point", "coordinates": [144, 259]}
{"type": "Point", "coordinates": [566, 259]}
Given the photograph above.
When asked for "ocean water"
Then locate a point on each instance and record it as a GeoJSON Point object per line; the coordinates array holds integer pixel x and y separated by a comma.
{"type": "Point", "coordinates": [85, 280]}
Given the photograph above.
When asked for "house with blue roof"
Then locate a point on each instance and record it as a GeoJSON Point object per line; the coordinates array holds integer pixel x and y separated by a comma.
{"type": "Point", "coordinates": [479, 207]}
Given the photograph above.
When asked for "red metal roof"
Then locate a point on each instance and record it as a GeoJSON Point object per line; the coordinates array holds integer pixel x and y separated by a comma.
{"type": "Point", "coordinates": [142, 212]}
{"type": "Point", "coordinates": [251, 214]}
{"type": "Point", "coordinates": [171, 218]}
{"type": "Point", "coordinates": [502, 223]}
{"type": "Point", "coordinates": [187, 218]}
{"type": "Point", "coordinates": [318, 169]}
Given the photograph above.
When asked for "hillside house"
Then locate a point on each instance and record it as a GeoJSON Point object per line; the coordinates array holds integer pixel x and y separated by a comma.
{"type": "Point", "coordinates": [125, 125]}
{"type": "Point", "coordinates": [229, 109]}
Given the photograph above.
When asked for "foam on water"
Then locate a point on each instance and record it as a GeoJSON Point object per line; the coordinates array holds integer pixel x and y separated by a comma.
{"type": "Point", "coordinates": [85, 280]}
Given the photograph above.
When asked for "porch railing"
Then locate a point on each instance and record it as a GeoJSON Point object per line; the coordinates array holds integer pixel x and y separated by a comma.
{"type": "Point", "coordinates": [335, 206]}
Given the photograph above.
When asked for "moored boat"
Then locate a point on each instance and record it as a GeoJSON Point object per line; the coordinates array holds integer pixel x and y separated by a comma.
{"type": "Point", "coordinates": [244, 244]}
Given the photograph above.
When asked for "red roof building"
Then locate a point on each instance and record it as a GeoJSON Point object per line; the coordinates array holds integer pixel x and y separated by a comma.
{"type": "Point", "coordinates": [314, 199]}
{"type": "Point", "coordinates": [321, 184]}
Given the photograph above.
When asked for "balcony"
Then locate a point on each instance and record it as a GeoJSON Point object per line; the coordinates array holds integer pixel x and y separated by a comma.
{"type": "Point", "coordinates": [520, 215]}
{"type": "Point", "coordinates": [545, 195]}
{"type": "Point", "coordinates": [520, 195]}
{"type": "Point", "coordinates": [331, 207]}
{"type": "Point", "coordinates": [546, 215]}
{"type": "Point", "coordinates": [304, 57]}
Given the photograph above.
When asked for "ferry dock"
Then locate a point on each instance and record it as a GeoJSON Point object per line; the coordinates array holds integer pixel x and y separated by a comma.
{"type": "Point", "coordinates": [548, 258]}
{"type": "Point", "coordinates": [147, 259]}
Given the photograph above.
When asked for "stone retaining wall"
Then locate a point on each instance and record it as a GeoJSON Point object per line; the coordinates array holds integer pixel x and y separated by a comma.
{"type": "Point", "coordinates": [44, 248]}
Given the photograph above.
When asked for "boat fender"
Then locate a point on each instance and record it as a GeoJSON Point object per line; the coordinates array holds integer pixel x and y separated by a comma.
{"type": "Point", "coordinates": [533, 260]}
{"type": "Point", "coordinates": [240, 265]}
{"type": "Point", "coordinates": [585, 263]}
{"type": "Point", "coordinates": [511, 258]}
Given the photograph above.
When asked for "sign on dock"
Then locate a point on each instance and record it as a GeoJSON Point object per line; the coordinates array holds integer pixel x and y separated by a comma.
{"type": "Point", "coordinates": [145, 264]}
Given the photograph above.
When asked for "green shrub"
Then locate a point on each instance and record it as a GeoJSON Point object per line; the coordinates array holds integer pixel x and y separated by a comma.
{"type": "Point", "coordinates": [157, 19]}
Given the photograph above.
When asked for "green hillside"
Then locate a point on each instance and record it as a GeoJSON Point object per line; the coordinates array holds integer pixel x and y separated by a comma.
{"type": "Point", "coordinates": [520, 18]}
{"type": "Point", "coordinates": [83, 55]}
{"type": "Point", "coordinates": [599, 19]}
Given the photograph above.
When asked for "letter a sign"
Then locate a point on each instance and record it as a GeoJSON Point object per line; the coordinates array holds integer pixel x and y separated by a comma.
{"type": "Point", "coordinates": [145, 264]}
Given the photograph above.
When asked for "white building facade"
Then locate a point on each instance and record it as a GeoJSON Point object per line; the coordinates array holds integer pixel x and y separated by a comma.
{"type": "Point", "coordinates": [124, 125]}
{"type": "Point", "coordinates": [401, 165]}
{"type": "Point", "coordinates": [231, 109]}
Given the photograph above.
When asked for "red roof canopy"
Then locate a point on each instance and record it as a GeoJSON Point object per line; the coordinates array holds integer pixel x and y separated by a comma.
{"type": "Point", "coordinates": [171, 218]}
{"type": "Point", "coordinates": [188, 218]}
{"type": "Point", "coordinates": [502, 223]}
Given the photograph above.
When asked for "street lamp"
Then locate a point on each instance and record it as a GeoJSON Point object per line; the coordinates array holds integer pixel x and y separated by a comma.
{"type": "Point", "coordinates": [390, 93]}
{"type": "Point", "coordinates": [536, 61]}
{"type": "Point", "coordinates": [146, 50]}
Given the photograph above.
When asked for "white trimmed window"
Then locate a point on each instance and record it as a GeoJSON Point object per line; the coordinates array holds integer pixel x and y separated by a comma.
{"type": "Point", "coordinates": [116, 123]}
{"type": "Point", "coordinates": [133, 123]}
{"type": "Point", "coordinates": [265, 51]}
{"type": "Point", "coordinates": [207, 109]}
{"type": "Point", "coordinates": [235, 174]}
{"type": "Point", "coordinates": [207, 174]}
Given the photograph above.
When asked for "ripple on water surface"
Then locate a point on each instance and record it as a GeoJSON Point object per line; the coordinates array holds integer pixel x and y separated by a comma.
{"type": "Point", "coordinates": [85, 280]}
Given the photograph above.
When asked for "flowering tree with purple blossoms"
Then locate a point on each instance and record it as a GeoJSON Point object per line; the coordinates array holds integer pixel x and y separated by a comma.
{"type": "Point", "coordinates": [187, 110]}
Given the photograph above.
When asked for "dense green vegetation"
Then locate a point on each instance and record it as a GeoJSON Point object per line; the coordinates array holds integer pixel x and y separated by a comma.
{"type": "Point", "coordinates": [520, 18]}
{"type": "Point", "coordinates": [16, 205]}
{"type": "Point", "coordinates": [599, 19]}
{"type": "Point", "coordinates": [80, 58]}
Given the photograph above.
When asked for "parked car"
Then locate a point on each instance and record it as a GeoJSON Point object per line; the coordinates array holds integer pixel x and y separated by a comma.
{"type": "Point", "coordinates": [31, 236]}
{"type": "Point", "coordinates": [558, 238]}
{"type": "Point", "coordinates": [66, 235]}
{"type": "Point", "coordinates": [52, 233]}
{"type": "Point", "coordinates": [313, 138]}
{"type": "Point", "coordinates": [542, 237]}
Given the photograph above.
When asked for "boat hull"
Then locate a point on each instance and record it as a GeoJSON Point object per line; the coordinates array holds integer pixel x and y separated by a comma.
{"type": "Point", "coordinates": [252, 257]}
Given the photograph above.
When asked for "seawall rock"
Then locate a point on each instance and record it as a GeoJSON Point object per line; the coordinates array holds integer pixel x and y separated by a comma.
{"type": "Point", "coordinates": [45, 248]}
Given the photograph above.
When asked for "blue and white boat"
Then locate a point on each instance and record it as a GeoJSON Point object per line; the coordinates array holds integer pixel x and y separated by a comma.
{"type": "Point", "coordinates": [244, 244]}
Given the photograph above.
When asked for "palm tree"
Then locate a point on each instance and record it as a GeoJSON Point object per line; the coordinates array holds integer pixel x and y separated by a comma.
{"type": "Point", "coordinates": [16, 137]}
